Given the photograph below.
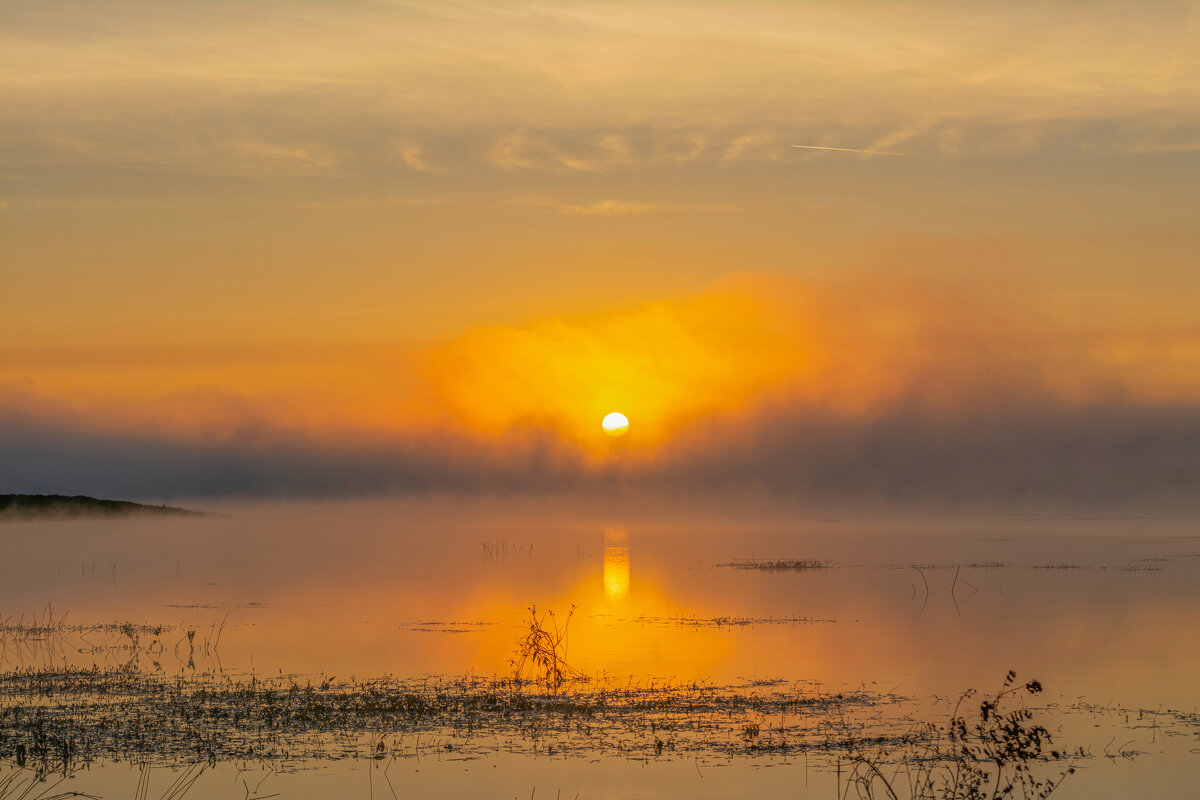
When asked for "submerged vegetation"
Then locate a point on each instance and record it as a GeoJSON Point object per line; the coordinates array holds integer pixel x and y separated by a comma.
{"type": "Point", "coordinates": [48, 638]}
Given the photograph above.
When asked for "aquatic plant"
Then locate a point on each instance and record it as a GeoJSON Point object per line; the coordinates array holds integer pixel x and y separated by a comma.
{"type": "Point", "coordinates": [184, 780]}
{"type": "Point", "coordinates": [499, 549]}
{"type": "Point", "coordinates": [542, 652]}
{"type": "Point", "coordinates": [993, 755]}
{"type": "Point", "coordinates": [19, 782]}
{"type": "Point", "coordinates": [777, 565]}
{"type": "Point", "coordinates": [36, 627]}
{"type": "Point", "coordinates": [57, 717]}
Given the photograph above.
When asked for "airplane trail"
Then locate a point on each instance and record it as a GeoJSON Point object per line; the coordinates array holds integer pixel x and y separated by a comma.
{"type": "Point", "coordinates": [849, 150]}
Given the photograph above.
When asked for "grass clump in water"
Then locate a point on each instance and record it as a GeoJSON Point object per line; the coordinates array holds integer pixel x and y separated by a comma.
{"type": "Point", "coordinates": [994, 755]}
{"type": "Point", "coordinates": [777, 565]}
{"type": "Point", "coordinates": [57, 717]}
{"type": "Point", "coordinates": [542, 651]}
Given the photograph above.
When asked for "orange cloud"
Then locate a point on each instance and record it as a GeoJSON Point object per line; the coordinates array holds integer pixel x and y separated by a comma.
{"type": "Point", "coordinates": [748, 345]}
{"type": "Point", "coordinates": [656, 363]}
{"type": "Point", "coordinates": [749, 341]}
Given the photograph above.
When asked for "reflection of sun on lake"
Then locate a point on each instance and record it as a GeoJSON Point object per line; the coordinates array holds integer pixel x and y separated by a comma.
{"type": "Point", "coordinates": [423, 600]}
{"type": "Point", "coordinates": [616, 563]}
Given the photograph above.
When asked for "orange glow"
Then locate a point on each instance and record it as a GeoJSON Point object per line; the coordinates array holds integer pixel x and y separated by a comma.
{"type": "Point", "coordinates": [756, 341]}
{"type": "Point", "coordinates": [657, 362]}
{"type": "Point", "coordinates": [747, 345]}
{"type": "Point", "coordinates": [616, 564]}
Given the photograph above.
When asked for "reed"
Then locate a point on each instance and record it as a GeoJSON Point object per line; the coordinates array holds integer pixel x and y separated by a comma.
{"type": "Point", "coordinates": [777, 565]}
{"type": "Point", "coordinates": [1001, 752]}
{"type": "Point", "coordinates": [542, 651]}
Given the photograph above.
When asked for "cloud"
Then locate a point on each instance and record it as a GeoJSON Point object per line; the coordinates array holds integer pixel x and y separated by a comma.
{"type": "Point", "coordinates": [553, 151]}
{"type": "Point", "coordinates": [872, 388]}
{"type": "Point", "coordinates": [590, 87]}
{"type": "Point", "coordinates": [384, 201]}
{"type": "Point", "coordinates": [617, 208]}
{"type": "Point", "coordinates": [1095, 458]}
{"type": "Point", "coordinates": [413, 155]}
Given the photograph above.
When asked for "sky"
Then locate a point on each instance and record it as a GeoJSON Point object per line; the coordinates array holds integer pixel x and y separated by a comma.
{"type": "Point", "coordinates": [906, 252]}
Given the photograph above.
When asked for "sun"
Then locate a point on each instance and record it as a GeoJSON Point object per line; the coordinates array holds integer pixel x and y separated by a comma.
{"type": "Point", "coordinates": [615, 424]}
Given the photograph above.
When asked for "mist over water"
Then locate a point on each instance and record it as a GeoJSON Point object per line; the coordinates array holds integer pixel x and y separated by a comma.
{"type": "Point", "coordinates": [1091, 460]}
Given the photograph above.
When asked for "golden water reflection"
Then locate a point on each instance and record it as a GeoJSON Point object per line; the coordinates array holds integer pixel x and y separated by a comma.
{"type": "Point", "coordinates": [616, 563]}
{"type": "Point", "coordinates": [377, 599]}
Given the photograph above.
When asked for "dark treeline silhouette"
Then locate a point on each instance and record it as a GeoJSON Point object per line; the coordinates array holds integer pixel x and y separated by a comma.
{"type": "Point", "coordinates": [32, 506]}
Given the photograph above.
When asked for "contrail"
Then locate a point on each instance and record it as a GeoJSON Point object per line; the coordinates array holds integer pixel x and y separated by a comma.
{"type": "Point", "coordinates": [850, 150]}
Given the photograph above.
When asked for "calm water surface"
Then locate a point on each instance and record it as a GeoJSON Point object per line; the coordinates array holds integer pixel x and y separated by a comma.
{"type": "Point", "coordinates": [1102, 611]}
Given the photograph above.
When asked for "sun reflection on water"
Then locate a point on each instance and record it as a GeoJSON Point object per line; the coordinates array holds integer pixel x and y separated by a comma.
{"type": "Point", "coordinates": [616, 563]}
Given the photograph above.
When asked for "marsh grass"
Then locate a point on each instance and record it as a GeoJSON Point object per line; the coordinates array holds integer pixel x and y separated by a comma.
{"type": "Point", "coordinates": [777, 565]}
{"type": "Point", "coordinates": [500, 549]}
{"type": "Point", "coordinates": [49, 638]}
{"type": "Point", "coordinates": [541, 654]}
{"type": "Point", "coordinates": [722, 622]}
{"type": "Point", "coordinates": [40, 626]}
{"type": "Point", "coordinates": [48, 626]}
{"type": "Point", "coordinates": [25, 783]}
{"type": "Point", "coordinates": [20, 782]}
{"type": "Point", "coordinates": [1002, 752]}
{"type": "Point", "coordinates": [436, 626]}
{"type": "Point", "coordinates": [56, 718]}
{"type": "Point", "coordinates": [185, 778]}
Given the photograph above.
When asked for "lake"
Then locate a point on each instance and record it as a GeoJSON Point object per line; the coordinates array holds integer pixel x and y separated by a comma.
{"type": "Point", "coordinates": [909, 610]}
